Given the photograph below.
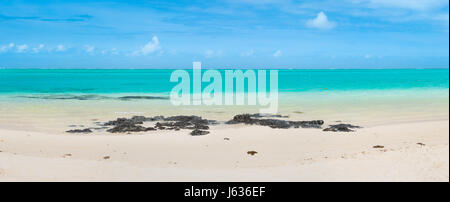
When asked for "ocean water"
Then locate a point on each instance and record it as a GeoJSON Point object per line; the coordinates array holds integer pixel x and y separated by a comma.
{"type": "Point", "coordinates": [52, 99]}
{"type": "Point", "coordinates": [103, 81]}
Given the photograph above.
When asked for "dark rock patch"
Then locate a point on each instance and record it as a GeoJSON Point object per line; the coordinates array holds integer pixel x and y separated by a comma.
{"type": "Point", "coordinates": [99, 128]}
{"type": "Point", "coordinates": [126, 98]}
{"type": "Point", "coordinates": [307, 124]}
{"type": "Point", "coordinates": [259, 115]}
{"type": "Point", "coordinates": [199, 126]}
{"type": "Point", "coordinates": [242, 118]}
{"type": "Point", "coordinates": [378, 147]}
{"type": "Point", "coordinates": [341, 128]}
{"type": "Point", "coordinates": [198, 132]}
{"type": "Point", "coordinates": [252, 153]}
{"type": "Point", "coordinates": [274, 123]}
{"type": "Point", "coordinates": [133, 124]}
{"type": "Point", "coordinates": [66, 97]}
{"type": "Point", "coordinates": [129, 128]}
{"type": "Point", "coordinates": [92, 97]}
{"type": "Point", "coordinates": [66, 155]}
{"type": "Point", "coordinates": [124, 125]}
{"type": "Point", "coordinates": [87, 130]}
{"type": "Point", "coordinates": [185, 122]}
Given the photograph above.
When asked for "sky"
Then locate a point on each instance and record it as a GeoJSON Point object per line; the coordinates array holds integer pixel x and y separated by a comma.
{"type": "Point", "coordinates": [224, 34]}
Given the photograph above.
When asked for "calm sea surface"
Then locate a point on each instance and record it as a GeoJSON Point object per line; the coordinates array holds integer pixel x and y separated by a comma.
{"type": "Point", "coordinates": [101, 81]}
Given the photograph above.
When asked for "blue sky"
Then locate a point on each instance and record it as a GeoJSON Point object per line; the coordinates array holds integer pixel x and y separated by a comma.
{"type": "Point", "coordinates": [224, 34]}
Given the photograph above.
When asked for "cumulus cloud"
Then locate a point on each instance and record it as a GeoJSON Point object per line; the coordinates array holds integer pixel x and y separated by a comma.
{"type": "Point", "coordinates": [112, 51]}
{"type": "Point", "coordinates": [22, 48]}
{"type": "Point", "coordinates": [5, 48]}
{"type": "Point", "coordinates": [38, 48]}
{"type": "Point", "coordinates": [149, 48]}
{"type": "Point", "coordinates": [321, 22]}
{"type": "Point", "coordinates": [89, 48]}
{"type": "Point", "coordinates": [277, 54]}
{"type": "Point", "coordinates": [60, 48]}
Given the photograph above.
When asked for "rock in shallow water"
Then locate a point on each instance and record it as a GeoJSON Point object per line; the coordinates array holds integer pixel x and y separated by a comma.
{"type": "Point", "coordinates": [143, 98]}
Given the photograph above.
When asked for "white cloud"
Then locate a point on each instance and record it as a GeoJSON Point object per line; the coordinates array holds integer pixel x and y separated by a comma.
{"type": "Point", "coordinates": [60, 48]}
{"type": "Point", "coordinates": [113, 51]}
{"type": "Point", "coordinates": [277, 54]}
{"type": "Point", "coordinates": [5, 48]}
{"type": "Point", "coordinates": [368, 56]}
{"type": "Point", "coordinates": [248, 53]}
{"type": "Point", "coordinates": [321, 22]}
{"type": "Point", "coordinates": [410, 4]}
{"type": "Point", "coordinates": [89, 48]}
{"type": "Point", "coordinates": [39, 48]}
{"type": "Point", "coordinates": [22, 48]}
{"type": "Point", "coordinates": [150, 47]}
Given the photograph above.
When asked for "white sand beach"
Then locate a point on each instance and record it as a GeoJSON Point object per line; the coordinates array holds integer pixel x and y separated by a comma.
{"type": "Point", "coordinates": [413, 150]}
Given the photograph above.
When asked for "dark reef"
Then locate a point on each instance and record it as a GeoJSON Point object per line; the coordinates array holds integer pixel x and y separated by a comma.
{"type": "Point", "coordinates": [87, 130]}
{"type": "Point", "coordinates": [92, 97]}
{"type": "Point", "coordinates": [123, 125]}
{"type": "Point", "coordinates": [258, 119]}
{"type": "Point", "coordinates": [341, 128]}
{"type": "Point", "coordinates": [199, 126]}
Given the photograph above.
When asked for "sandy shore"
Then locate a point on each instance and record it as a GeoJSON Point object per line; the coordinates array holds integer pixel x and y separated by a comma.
{"type": "Point", "coordinates": [283, 155]}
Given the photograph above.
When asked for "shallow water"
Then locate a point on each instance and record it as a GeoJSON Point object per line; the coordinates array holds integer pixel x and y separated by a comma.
{"type": "Point", "coordinates": [50, 100]}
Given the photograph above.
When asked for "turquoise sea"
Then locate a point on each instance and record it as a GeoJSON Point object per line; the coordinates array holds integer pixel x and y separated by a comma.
{"type": "Point", "coordinates": [44, 98]}
{"type": "Point", "coordinates": [105, 81]}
